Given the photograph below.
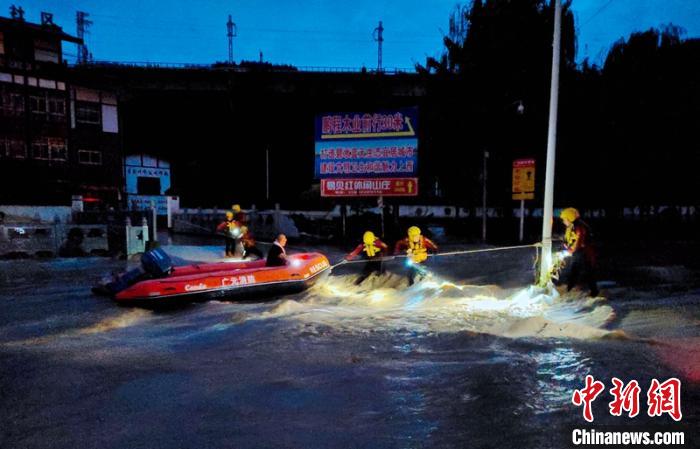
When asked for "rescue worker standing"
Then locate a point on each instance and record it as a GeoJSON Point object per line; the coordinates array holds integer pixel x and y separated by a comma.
{"type": "Point", "coordinates": [231, 230]}
{"type": "Point", "coordinates": [239, 215]}
{"type": "Point", "coordinates": [416, 247]}
{"type": "Point", "coordinates": [372, 250]}
{"type": "Point", "coordinates": [578, 244]}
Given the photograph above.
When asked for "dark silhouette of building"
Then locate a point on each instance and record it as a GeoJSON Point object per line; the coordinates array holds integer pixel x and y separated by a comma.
{"type": "Point", "coordinates": [58, 138]}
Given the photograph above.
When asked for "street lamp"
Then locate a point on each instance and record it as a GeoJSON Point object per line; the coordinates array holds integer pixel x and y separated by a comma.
{"type": "Point", "coordinates": [547, 216]}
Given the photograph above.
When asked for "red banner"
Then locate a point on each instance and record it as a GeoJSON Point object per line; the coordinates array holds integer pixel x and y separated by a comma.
{"type": "Point", "coordinates": [369, 187]}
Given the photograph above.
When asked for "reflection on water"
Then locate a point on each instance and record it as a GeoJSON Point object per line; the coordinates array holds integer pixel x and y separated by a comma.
{"type": "Point", "coordinates": [559, 372]}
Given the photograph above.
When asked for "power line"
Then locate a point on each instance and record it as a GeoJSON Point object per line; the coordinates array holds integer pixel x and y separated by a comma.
{"type": "Point", "coordinates": [601, 9]}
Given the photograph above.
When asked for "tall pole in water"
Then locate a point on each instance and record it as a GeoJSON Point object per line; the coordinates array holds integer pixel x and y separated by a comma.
{"type": "Point", "coordinates": [547, 216]}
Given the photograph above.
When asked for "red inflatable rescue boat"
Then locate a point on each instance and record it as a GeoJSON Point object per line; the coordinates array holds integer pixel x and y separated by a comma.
{"type": "Point", "coordinates": [226, 280]}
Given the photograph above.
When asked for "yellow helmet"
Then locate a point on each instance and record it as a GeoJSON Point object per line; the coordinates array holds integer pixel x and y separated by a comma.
{"type": "Point", "coordinates": [236, 208]}
{"type": "Point", "coordinates": [413, 231]}
{"type": "Point", "coordinates": [368, 238]}
{"type": "Point", "coordinates": [569, 214]}
{"type": "Point", "coordinates": [229, 215]}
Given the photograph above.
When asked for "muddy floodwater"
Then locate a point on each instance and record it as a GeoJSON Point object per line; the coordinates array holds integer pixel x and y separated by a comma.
{"type": "Point", "coordinates": [469, 357]}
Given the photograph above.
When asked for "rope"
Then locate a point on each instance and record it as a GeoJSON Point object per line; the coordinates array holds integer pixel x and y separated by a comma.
{"type": "Point", "coordinates": [451, 253]}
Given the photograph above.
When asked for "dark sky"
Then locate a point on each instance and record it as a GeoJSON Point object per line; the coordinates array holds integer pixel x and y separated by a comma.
{"type": "Point", "coordinates": [335, 33]}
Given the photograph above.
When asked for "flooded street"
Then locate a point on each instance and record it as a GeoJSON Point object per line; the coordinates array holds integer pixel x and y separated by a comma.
{"type": "Point", "coordinates": [470, 357]}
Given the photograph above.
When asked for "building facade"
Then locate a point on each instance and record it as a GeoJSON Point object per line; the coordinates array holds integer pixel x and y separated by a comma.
{"type": "Point", "coordinates": [58, 137]}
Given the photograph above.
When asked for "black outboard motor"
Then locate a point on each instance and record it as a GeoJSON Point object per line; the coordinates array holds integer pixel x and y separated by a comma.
{"type": "Point", "coordinates": [154, 264]}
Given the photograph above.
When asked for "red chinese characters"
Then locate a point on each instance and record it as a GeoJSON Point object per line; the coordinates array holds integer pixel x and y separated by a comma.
{"type": "Point", "coordinates": [587, 395]}
{"type": "Point", "coordinates": [665, 398]}
{"type": "Point", "coordinates": [662, 398]}
{"type": "Point", "coordinates": [365, 124]}
{"type": "Point", "coordinates": [626, 398]}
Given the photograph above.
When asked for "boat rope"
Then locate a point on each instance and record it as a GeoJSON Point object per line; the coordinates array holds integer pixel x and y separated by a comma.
{"type": "Point", "coordinates": [450, 253]}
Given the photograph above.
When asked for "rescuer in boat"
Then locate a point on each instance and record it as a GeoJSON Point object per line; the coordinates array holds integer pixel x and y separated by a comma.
{"type": "Point", "coordinates": [416, 247]}
{"type": "Point", "coordinates": [248, 241]}
{"type": "Point", "coordinates": [232, 233]}
{"type": "Point", "coordinates": [579, 246]}
{"type": "Point", "coordinates": [372, 250]}
{"type": "Point", "coordinates": [239, 215]}
{"type": "Point", "coordinates": [277, 256]}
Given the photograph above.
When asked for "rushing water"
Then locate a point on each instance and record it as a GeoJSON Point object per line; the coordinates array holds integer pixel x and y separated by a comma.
{"type": "Point", "coordinates": [470, 357]}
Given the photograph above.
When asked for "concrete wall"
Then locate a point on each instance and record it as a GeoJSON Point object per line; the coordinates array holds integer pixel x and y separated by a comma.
{"type": "Point", "coordinates": [45, 214]}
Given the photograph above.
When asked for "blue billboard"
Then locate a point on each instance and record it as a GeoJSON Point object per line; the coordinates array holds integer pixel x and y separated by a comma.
{"type": "Point", "coordinates": [367, 145]}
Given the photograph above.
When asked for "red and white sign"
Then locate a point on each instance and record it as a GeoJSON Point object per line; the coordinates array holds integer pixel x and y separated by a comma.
{"type": "Point", "coordinates": [369, 187]}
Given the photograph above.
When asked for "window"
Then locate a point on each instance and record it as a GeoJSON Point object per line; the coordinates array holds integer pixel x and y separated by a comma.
{"type": "Point", "coordinates": [50, 149]}
{"type": "Point", "coordinates": [15, 149]}
{"type": "Point", "coordinates": [58, 150]}
{"type": "Point", "coordinates": [48, 107]}
{"type": "Point", "coordinates": [38, 107]}
{"type": "Point", "coordinates": [47, 50]}
{"type": "Point", "coordinates": [11, 104]}
{"type": "Point", "coordinates": [90, 157]}
{"type": "Point", "coordinates": [40, 149]}
{"type": "Point", "coordinates": [57, 109]}
{"type": "Point", "coordinates": [86, 112]}
{"type": "Point", "coordinates": [17, 103]}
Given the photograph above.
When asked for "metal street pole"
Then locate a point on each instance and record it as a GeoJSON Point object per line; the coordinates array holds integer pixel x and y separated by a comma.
{"type": "Point", "coordinates": [522, 219]}
{"type": "Point", "coordinates": [380, 203]}
{"type": "Point", "coordinates": [547, 216]}
{"type": "Point", "coordinates": [483, 203]}
{"type": "Point", "coordinates": [267, 174]}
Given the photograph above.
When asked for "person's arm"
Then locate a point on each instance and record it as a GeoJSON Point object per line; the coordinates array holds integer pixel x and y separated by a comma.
{"type": "Point", "coordinates": [580, 233]}
{"type": "Point", "coordinates": [429, 244]}
{"type": "Point", "coordinates": [355, 252]}
{"type": "Point", "coordinates": [221, 227]}
{"type": "Point", "coordinates": [400, 246]}
{"type": "Point", "coordinates": [378, 243]}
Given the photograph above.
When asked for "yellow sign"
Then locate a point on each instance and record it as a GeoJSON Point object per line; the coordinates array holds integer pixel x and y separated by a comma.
{"type": "Point", "coordinates": [524, 196]}
{"type": "Point", "coordinates": [524, 179]}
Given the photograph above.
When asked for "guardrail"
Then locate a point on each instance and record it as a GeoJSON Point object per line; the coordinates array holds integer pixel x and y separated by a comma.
{"type": "Point", "coordinates": [23, 240]}
{"type": "Point", "coordinates": [262, 223]}
{"type": "Point", "coordinates": [246, 68]}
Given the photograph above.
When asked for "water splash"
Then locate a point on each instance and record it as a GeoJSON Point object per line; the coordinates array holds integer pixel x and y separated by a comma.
{"type": "Point", "coordinates": [386, 303]}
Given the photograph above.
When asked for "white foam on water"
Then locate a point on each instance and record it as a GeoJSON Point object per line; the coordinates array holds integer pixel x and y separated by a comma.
{"type": "Point", "coordinates": [386, 303]}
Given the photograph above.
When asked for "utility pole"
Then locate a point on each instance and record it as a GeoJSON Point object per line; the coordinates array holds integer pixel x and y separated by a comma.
{"type": "Point", "coordinates": [483, 198]}
{"type": "Point", "coordinates": [82, 25]}
{"type": "Point", "coordinates": [267, 174]}
{"type": "Point", "coordinates": [547, 216]}
{"type": "Point", "coordinates": [379, 38]}
{"type": "Point", "coordinates": [231, 32]}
